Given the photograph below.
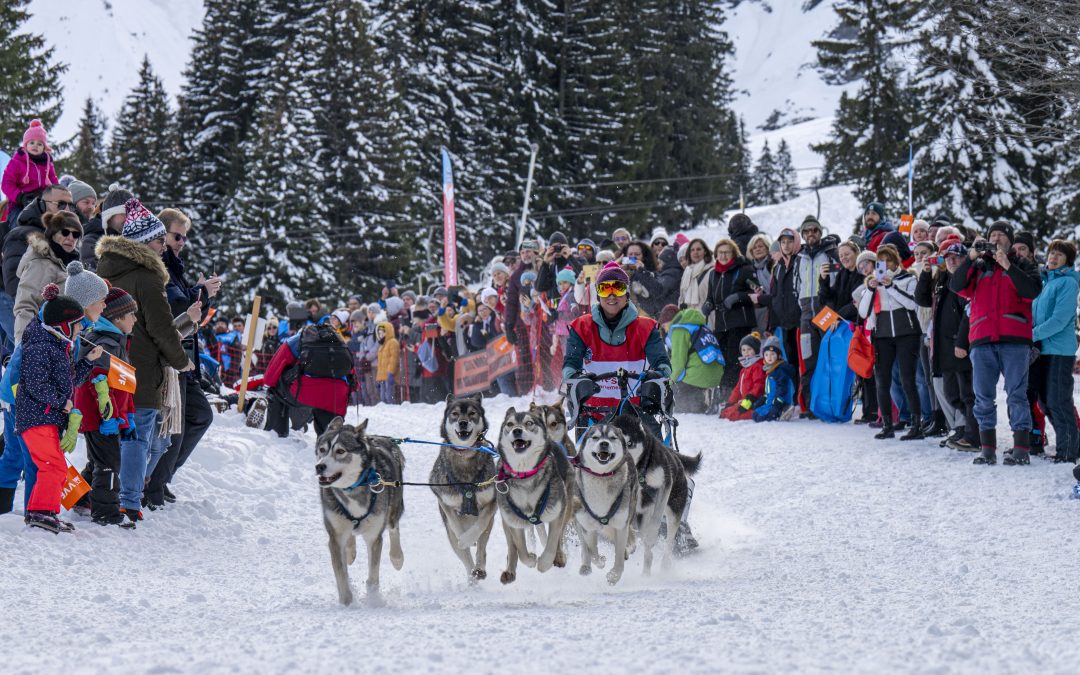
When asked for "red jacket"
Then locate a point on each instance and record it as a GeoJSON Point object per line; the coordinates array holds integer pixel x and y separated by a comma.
{"type": "Point", "coordinates": [1000, 309]}
{"type": "Point", "coordinates": [323, 393]}
{"type": "Point", "coordinates": [602, 357]}
{"type": "Point", "coordinates": [751, 385]}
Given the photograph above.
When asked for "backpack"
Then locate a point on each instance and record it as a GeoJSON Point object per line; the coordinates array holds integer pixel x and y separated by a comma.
{"type": "Point", "coordinates": [704, 344]}
{"type": "Point", "coordinates": [323, 354]}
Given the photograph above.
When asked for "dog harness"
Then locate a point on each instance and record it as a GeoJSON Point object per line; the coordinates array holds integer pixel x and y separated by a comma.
{"type": "Point", "coordinates": [577, 462]}
{"type": "Point", "coordinates": [469, 506]}
{"type": "Point", "coordinates": [604, 520]}
{"type": "Point", "coordinates": [368, 478]}
{"type": "Point", "coordinates": [506, 473]}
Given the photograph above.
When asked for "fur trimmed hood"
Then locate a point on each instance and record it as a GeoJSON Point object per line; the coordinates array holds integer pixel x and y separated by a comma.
{"type": "Point", "coordinates": [139, 255]}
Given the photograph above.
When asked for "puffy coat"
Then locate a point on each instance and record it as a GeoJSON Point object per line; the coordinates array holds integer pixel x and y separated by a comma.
{"type": "Point", "coordinates": [389, 355]}
{"type": "Point", "coordinates": [135, 268]}
{"type": "Point", "coordinates": [1054, 312]}
{"type": "Point", "coordinates": [16, 243]}
{"type": "Point", "coordinates": [782, 298]}
{"type": "Point", "coordinates": [779, 392]}
{"type": "Point", "coordinates": [729, 296]}
{"type": "Point", "coordinates": [836, 292]}
{"type": "Point", "coordinates": [512, 316]}
{"type": "Point", "coordinates": [949, 324]}
{"type": "Point", "coordinates": [751, 385]}
{"type": "Point", "coordinates": [47, 379]}
{"type": "Point", "coordinates": [808, 262]}
{"type": "Point", "coordinates": [896, 316]}
{"type": "Point", "coordinates": [181, 296]}
{"type": "Point", "coordinates": [686, 365]}
{"type": "Point", "coordinates": [659, 287]}
{"type": "Point", "coordinates": [1000, 301]}
{"type": "Point", "coordinates": [107, 336]}
{"type": "Point", "coordinates": [24, 174]}
{"type": "Point", "coordinates": [324, 393]}
{"type": "Point", "coordinates": [39, 266]}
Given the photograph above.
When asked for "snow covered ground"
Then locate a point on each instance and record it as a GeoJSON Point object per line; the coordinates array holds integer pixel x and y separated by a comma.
{"type": "Point", "coordinates": [822, 550]}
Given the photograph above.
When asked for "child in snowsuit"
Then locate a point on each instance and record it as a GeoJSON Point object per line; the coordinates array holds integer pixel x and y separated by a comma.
{"type": "Point", "coordinates": [751, 384]}
{"type": "Point", "coordinates": [779, 396]}
{"type": "Point", "coordinates": [106, 410]}
{"type": "Point", "coordinates": [28, 172]}
{"type": "Point", "coordinates": [389, 362]}
{"type": "Point", "coordinates": [43, 405]}
{"type": "Point", "coordinates": [568, 309]}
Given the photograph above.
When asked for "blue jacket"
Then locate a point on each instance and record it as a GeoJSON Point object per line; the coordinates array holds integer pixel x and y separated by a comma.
{"type": "Point", "coordinates": [1054, 312]}
{"type": "Point", "coordinates": [655, 351]}
{"type": "Point", "coordinates": [779, 393]}
{"type": "Point", "coordinates": [47, 379]}
{"type": "Point", "coordinates": [11, 376]}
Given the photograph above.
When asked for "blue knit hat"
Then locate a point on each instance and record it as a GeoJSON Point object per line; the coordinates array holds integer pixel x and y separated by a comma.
{"type": "Point", "coordinates": [566, 275]}
{"type": "Point", "coordinates": [876, 207]}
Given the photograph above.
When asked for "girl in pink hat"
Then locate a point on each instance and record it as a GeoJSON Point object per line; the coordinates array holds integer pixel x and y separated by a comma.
{"type": "Point", "coordinates": [30, 171]}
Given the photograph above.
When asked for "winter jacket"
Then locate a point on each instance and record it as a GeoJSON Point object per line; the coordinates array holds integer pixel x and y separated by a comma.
{"type": "Point", "coordinates": [741, 230]}
{"type": "Point", "coordinates": [782, 300]}
{"type": "Point", "coordinates": [107, 336]}
{"type": "Point", "coordinates": [39, 266]}
{"type": "Point", "coordinates": [482, 332]}
{"type": "Point", "coordinates": [729, 297]}
{"type": "Point", "coordinates": [389, 355]}
{"type": "Point", "coordinates": [896, 315]}
{"type": "Point", "coordinates": [751, 385]}
{"type": "Point", "coordinates": [93, 231]}
{"type": "Point", "coordinates": [181, 296]}
{"type": "Point", "coordinates": [779, 392]}
{"type": "Point", "coordinates": [47, 378]}
{"type": "Point", "coordinates": [836, 291]}
{"type": "Point", "coordinates": [135, 268]}
{"type": "Point", "coordinates": [885, 233]}
{"type": "Point", "coordinates": [545, 276]}
{"type": "Point", "coordinates": [948, 328]}
{"type": "Point", "coordinates": [325, 393]}
{"type": "Point", "coordinates": [660, 287]}
{"type": "Point", "coordinates": [512, 316]}
{"type": "Point", "coordinates": [15, 243]}
{"type": "Point", "coordinates": [686, 365]}
{"type": "Point", "coordinates": [25, 174]}
{"type": "Point", "coordinates": [1000, 308]}
{"type": "Point", "coordinates": [1054, 312]}
{"type": "Point", "coordinates": [694, 285]}
{"type": "Point", "coordinates": [808, 262]}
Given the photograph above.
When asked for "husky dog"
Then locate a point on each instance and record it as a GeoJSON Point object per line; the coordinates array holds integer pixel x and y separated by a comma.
{"type": "Point", "coordinates": [662, 475]}
{"type": "Point", "coordinates": [536, 489]}
{"type": "Point", "coordinates": [468, 513]}
{"type": "Point", "coordinates": [348, 464]}
{"type": "Point", "coordinates": [555, 421]}
{"type": "Point", "coordinates": [606, 486]}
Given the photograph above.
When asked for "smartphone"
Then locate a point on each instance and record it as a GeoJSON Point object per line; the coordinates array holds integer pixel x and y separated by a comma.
{"type": "Point", "coordinates": [880, 270]}
{"type": "Point", "coordinates": [935, 260]}
{"type": "Point", "coordinates": [631, 259]}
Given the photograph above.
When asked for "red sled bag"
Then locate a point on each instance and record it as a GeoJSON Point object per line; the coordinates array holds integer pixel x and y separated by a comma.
{"type": "Point", "coordinates": [860, 356]}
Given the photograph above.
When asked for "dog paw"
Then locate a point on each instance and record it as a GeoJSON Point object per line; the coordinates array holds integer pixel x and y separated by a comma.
{"type": "Point", "coordinates": [479, 574]}
{"type": "Point", "coordinates": [507, 577]}
{"type": "Point", "coordinates": [397, 561]}
{"type": "Point", "coordinates": [528, 560]}
{"type": "Point", "coordinates": [585, 570]}
{"type": "Point", "coordinates": [345, 598]}
{"type": "Point", "coordinates": [600, 561]}
{"type": "Point", "coordinates": [613, 576]}
{"type": "Point", "coordinates": [560, 559]}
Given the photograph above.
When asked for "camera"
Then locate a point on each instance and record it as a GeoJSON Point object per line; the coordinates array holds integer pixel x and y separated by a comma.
{"type": "Point", "coordinates": [986, 247]}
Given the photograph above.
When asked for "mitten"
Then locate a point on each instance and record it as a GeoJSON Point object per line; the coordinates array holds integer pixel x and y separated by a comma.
{"type": "Point", "coordinates": [67, 442]}
{"type": "Point", "coordinates": [129, 433]}
{"type": "Point", "coordinates": [105, 405]}
{"type": "Point", "coordinates": [746, 404]}
{"type": "Point", "coordinates": [110, 427]}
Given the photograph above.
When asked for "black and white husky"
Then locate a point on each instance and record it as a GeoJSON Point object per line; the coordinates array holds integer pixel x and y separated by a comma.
{"type": "Point", "coordinates": [349, 465]}
{"type": "Point", "coordinates": [467, 512]}
{"type": "Point", "coordinates": [535, 489]}
{"type": "Point", "coordinates": [662, 476]}
{"type": "Point", "coordinates": [606, 487]}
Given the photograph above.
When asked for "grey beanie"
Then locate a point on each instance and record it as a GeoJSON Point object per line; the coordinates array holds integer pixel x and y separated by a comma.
{"type": "Point", "coordinates": [83, 286]}
{"type": "Point", "coordinates": [409, 294]}
{"type": "Point", "coordinates": [394, 306]}
{"type": "Point", "coordinates": [295, 311]}
{"type": "Point", "coordinates": [114, 202]}
{"type": "Point", "coordinates": [80, 191]}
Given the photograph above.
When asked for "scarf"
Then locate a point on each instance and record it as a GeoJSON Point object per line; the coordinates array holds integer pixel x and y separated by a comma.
{"type": "Point", "coordinates": [690, 291]}
{"type": "Point", "coordinates": [769, 368]}
{"type": "Point", "coordinates": [172, 408]}
{"type": "Point", "coordinates": [63, 255]}
{"type": "Point", "coordinates": [747, 361]}
{"type": "Point", "coordinates": [723, 267]}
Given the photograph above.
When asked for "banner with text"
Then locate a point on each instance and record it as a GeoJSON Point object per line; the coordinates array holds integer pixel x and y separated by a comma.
{"type": "Point", "coordinates": [476, 372]}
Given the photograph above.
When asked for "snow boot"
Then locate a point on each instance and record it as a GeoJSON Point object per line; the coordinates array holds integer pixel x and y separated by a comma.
{"type": "Point", "coordinates": [1021, 450]}
{"type": "Point", "coordinates": [256, 417]}
{"type": "Point", "coordinates": [133, 517]}
{"type": "Point", "coordinates": [684, 536]}
{"type": "Point", "coordinates": [915, 433]}
{"type": "Point", "coordinates": [7, 500]}
{"type": "Point", "coordinates": [956, 435]}
{"type": "Point", "coordinates": [45, 520]}
{"type": "Point", "coordinates": [939, 428]}
{"type": "Point", "coordinates": [886, 431]}
{"type": "Point", "coordinates": [114, 518]}
{"type": "Point", "coordinates": [988, 442]}
{"type": "Point", "coordinates": [1037, 445]}
{"type": "Point", "coordinates": [170, 498]}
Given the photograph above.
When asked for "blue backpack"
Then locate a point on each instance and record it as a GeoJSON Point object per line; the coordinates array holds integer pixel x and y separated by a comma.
{"type": "Point", "coordinates": [833, 384]}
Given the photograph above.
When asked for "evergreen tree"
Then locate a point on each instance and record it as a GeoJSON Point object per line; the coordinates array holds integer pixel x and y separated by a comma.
{"type": "Point", "coordinates": [868, 143]}
{"type": "Point", "coordinates": [766, 178]}
{"type": "Point", "coordinates": [973, 160]}
{"type": "Point", "coordinates": [87, 161]}
{"type": "Point", "coordinates": [144, 147]}
{"type": "Point", "coordinates": [786, 176]}
{"type": "Point", "coordinates": [29, 79]}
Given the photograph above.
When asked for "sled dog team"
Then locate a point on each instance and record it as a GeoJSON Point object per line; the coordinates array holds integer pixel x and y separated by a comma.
{"type": "Point", "coordinates": [619, 483]}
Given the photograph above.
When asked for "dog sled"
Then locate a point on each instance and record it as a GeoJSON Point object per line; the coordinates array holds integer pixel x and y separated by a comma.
{"type": "Point", "coordinates": [647, 394]}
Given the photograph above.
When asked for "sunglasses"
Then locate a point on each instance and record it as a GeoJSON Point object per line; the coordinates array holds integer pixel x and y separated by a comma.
{"type": "Point", "coordinates": [70, 233]}
{"type": "Point", "coordinates": [659, 242]}
{"type": "Point", "coordinates": [622, 239]}
{"type": "Point", "coordinates": [584, 247]}
{"type": "Point", "coordinates": [608, 288]}
{"type": "Point", "coordinates": [62, 206]}
{"type": "Point", "coordinates": [811, 229]}
{"type": "Point", "coordinates": [178, 238]}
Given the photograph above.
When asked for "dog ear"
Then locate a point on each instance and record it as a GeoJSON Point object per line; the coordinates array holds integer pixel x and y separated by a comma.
{"type": "Point", "coordinates": [532, 406]}
{"type": "Point", "coordinates": [362, 427]}
{"type": "Point", "coordinates": [478, 397]}
{"type": "Point", "coordinates": [558, 405]}
{"type": "Point", "coordinates": [335, 424]}
{"type": "Point", "coordinates": [511, 411]}
{"type": "Point", "coordinates": [449, 397]}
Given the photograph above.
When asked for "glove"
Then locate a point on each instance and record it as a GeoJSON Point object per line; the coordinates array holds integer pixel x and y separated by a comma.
{"type": "Point", "coordinates": [730, 301]}
{"type": "Point", "coordinates": [129, 433]}
{"type": "Point", "coordinates": [105, 406]}
{"type": "Point", "coordinates": [67, 442]}
{"type": "Point", "coordinates": [746, 404]}
{"type": "Point", "coordinates": [708, 308]}
{"type": "Point", "coordinates": [110, 427]}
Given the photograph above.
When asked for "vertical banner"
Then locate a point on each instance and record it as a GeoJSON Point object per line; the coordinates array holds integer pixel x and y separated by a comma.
{"type": "Point", "coordinates": [910, 178]}
{"type": "Point", "coordinates": [449, 225]}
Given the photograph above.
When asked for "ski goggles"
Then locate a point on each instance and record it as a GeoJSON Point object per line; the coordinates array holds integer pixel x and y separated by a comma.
{"type": "Point", "coordinates": [606, 289]}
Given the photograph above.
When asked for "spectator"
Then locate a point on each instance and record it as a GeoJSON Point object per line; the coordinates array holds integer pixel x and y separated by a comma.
{"type": "Point", "coordinates": [517, 331]}
{"type": "Point", "coordinates": [109, 221]}
{"type": "Point", "coordinates": [314, 310]}
{"type": "Point", "coordinates": [920, 231]}
{"type": "Point", "coordinates": [620, 237]}
{"type": "Point", "coordinates": [693, 379]}
{"type": "Point", "coordinates": [751, 386]}
{"type": "Point", "coordinates": [782, 300]}
{"type": "Point", "coordinates": [85, 199]}
{"type": "Point", "coordinates": [53, 200]}
{"type": "Point", "coordinates": [45, 262]}
{"type": "Point", "coordinates": [28, 172]}
{"type": "Point", "coordinates": [556, 256]}
{"type": "Point", "coordinates": [638, 261]}
{"type": "Point", "coordinates": [763, 262]}
{"type": "Point", "coordinates": [741, 230]}
{"type": "Point", "coordinates": [864, 265]}
{"type": "Point", "coordinates": [887, 302]}
{"type": "Point", "coordinates": [815, 253]}
{"type": "Point", "coordinates": [1000, 287]}
{"type": "Point", "coordinates": [729, 307]}
{"type": "Point", "coordinates": [658, 242]}
{"type": "Point", "coordinates": [837, 288]}
{"type": "Point", "coordinates": [389, 356]}
{"type": "Point", "coordinates": [778, 400]}
{"type": "Point", "coordinates": [1054, 333]}
{"type": "Point", "coordinates": [694, 285]}
{"type": "Point", "coordinates": [271, 339]}
{"type": "Point", "coordinates": [879, 231]}
{"type": "Point", "coordinates": [587, 249]}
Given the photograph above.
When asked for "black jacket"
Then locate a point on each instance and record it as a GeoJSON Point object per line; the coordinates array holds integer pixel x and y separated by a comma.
{"type": "Point", "coordinates": [15, 243]}
{"type": "Point", "coordinates": [950, 327]}
{"type": "Point", "coordinates": [181, 295]}
{"type": "Point", "coordinates": [545, 276]}
{"type": "Point", "coordinates": [93, 230]}
{"type": "Point", "coordinates": [729, 297]}
{"type": "Point", "coordinates": [836, 290]}
{"type": "Point", "coordinates": [783, 298]}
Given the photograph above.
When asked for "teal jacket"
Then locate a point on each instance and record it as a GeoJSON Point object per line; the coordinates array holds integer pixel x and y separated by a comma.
{"type": "Point", "coordinates": [686, 365]}
{"type": "Point", "coordinates": [655, 353]}
{"type": "Point", "coordinates": [1053, 312]}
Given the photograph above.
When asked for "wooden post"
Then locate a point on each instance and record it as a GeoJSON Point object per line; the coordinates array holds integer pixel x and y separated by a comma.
{"type": "Point", "coordinates": [248, 349]}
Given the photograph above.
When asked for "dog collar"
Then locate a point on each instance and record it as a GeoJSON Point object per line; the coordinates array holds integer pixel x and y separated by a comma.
{"type": "Point", "coordinates": [506, 472]}
{"type": "Point", "coordinates": [577, 462]}
{"type": "Point", "coordinates": [368, 477]}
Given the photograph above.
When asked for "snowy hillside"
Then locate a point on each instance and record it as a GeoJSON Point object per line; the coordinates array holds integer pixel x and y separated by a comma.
{"type": "Point", "coordinates": [843, 555]}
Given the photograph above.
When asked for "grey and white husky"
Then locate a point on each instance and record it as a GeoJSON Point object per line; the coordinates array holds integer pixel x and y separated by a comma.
{"type": "Point", "coordinates": [662, 476]}
{"type": "Point", "coordinates": [555, 421]}
{"type": "Point", "coordinates": [467, 512]}
{"type": "Point", "coordinates": [349, 463]}
{"type": "Point", "coordinates": [536, 489]}
{"type": "Point", "coordinates": [606, 487]}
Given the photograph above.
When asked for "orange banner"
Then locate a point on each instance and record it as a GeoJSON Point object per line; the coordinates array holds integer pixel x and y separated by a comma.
{"type": "Point", "coordinates": [121, 375]}
{"type": "Point", "coordinates": [74, 488]}
{"type": "Point", "coordinates": [826, 318]}
{"type": "Point", "coordinates": [476, 372]}
{"type": "Point", "coordinates": [905, 224]}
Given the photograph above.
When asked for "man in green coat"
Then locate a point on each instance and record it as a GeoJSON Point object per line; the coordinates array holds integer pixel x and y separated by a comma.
{"type": "Point", "coordinates": [690, 375]}
{"type": "Point", "coordinates": [133, 262]}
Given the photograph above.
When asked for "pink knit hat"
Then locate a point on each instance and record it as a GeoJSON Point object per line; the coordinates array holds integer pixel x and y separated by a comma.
{"type": "Point", "coordinates": [613, 272]}
{"type": "Point", "coordinates": [35, 132]}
